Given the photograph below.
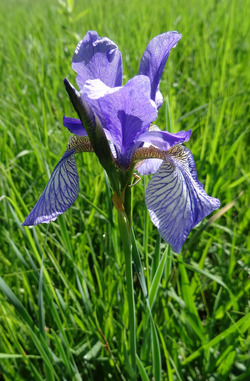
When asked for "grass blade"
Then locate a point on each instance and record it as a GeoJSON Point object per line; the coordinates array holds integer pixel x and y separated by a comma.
{"type": "Point", "coordinates": [157, 278]}
{"type": "Point", "coordinates": [142, 370]}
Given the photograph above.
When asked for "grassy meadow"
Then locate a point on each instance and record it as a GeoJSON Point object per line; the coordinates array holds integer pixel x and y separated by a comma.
{"type": "Point", "coordinates": [63, 305]}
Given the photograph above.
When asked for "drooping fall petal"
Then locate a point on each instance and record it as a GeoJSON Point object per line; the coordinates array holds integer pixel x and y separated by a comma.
{"type": "Point", "coordinates": [176, 200]}
{"type": "Point", "coordinates": [59, 194]}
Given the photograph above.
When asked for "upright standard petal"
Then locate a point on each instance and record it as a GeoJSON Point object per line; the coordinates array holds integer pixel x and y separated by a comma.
{"type": "Point", "coordinates": [59, 194]}
{"type": "Point", "coordinates": [97, 57]}
{"type": "Point", "coordinates": [176, 200]}
{"type": "Point", "coordinates": [125, 113]}
{"type": "Point", "coordinates": [154, 59]}
{"type": "Point", "coordinates": [74, 125]}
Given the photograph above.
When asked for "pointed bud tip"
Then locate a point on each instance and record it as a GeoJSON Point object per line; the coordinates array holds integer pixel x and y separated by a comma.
{"type": "Point", "coordinates": [69, 87]}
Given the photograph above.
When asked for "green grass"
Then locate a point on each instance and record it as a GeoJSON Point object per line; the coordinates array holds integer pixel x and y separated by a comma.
{"type": "Point", "coordinates": [69, 321]}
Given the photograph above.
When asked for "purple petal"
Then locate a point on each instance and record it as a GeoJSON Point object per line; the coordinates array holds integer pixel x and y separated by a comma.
{"type": "Point", "coordinates": [125, 113]}
{"type": "Point", "coordinates": [58, 195]}
{"type": "Point", "coordinates": [158, 98]}
{"type": "Point", "coordinates": [97, 57]}
{"type": "Point", "coordinates": [164, 140]}
{"type": "Point", "coordinates": [149, 166]}
{"type": "Point", "coordinates": [95, 89]}
{"type": "Point", "coordinates": [75, 126]}
{"type": "Point", "coordinates": [176, 200]}
{"type": "Point", "coordinates": [154, 59]}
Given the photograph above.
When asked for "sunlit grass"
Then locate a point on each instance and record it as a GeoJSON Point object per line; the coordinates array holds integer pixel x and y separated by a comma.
{"type": "Point", "coordinates": [75, 326]}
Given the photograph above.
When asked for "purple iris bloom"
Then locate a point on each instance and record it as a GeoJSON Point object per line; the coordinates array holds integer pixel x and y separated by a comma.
{"type": "Point", "coordinates": [176, 200]}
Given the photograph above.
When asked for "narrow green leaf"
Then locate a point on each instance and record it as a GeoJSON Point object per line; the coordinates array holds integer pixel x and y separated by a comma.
{"type": "Point", "coordinates": [92, 353]}
{"type": "Point", "coordinates": [156, 257]}
{"type": "Point", "coordinates": [62, 355]}
{"type": "Point", "coordinates": [192, 313]}
{"type": "Point", "coordinates": [157, 278]}
{"type": "Point", "coordinates": [242, 324]}
{"type": "Point", "coordinates": [155, 342]}
{"type": "Point", "coordinates": [142, 370]}
{"type": "Point", "coordinates": [216, 279]}
{"type": "Point", "coordinates": [211, 220]}
{"type": "Point", "coordinates": [156, 353]}
{"type": "Point", "coordinates": [232, 149]}
{"type": "Point", "coordinates": [41, 318]}
{"type": "Point", "coordinates": [17, 356]}
{"type": "Point", "coordinates": [138, 266]}
{"type": "Point", "coordinates": [16, 303]}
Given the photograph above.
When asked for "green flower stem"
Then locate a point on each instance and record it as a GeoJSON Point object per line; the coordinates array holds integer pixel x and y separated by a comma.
{"type": "Point", "coordinates": [125, 232]}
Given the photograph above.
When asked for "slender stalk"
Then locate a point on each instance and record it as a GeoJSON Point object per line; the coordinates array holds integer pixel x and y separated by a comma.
{"type": "Point", "coordinates": [125, 233]}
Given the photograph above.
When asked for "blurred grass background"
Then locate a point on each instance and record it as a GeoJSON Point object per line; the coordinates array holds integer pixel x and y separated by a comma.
{"type": "Point", "coordinates": [77, 327]}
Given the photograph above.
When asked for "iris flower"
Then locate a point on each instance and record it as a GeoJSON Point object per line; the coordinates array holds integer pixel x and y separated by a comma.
{"type": "Point", "coordinates": [121, 133]}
